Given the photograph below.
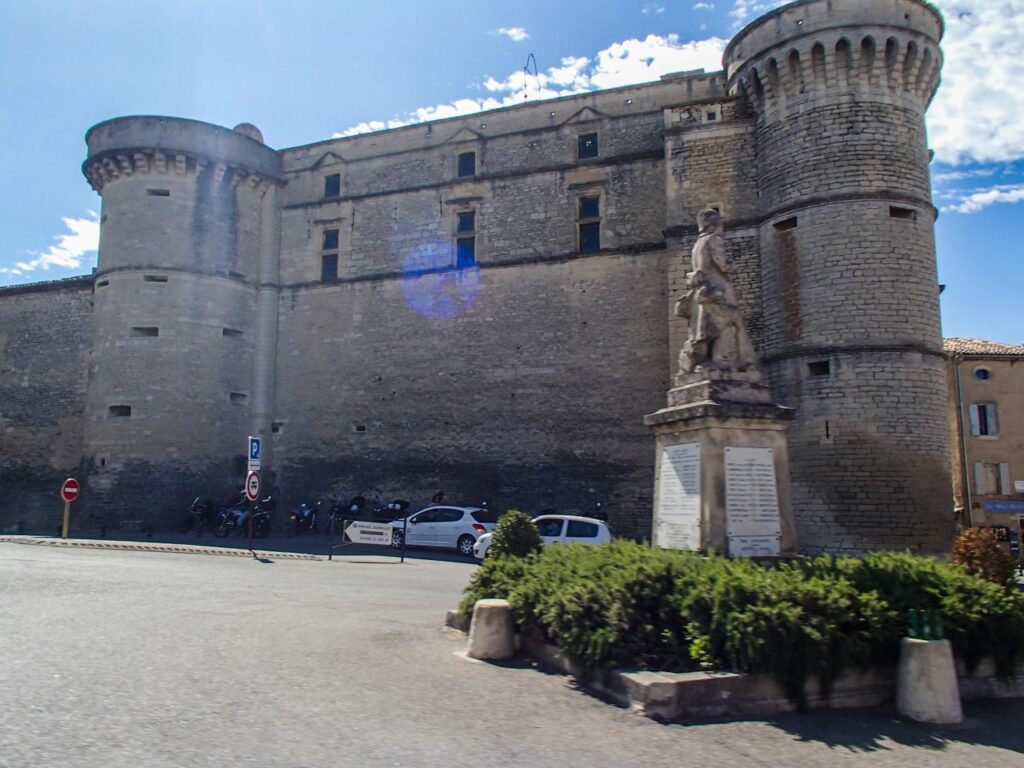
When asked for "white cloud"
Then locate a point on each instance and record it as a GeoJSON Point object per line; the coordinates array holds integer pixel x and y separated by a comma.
{"type": "Point", "coordinates": [976, 114]}
{"type": "Point", "coordinates": [653, 8]}
{"type": "Point", "coordinates": [631, 61]}
{"type": "Point", "coordinates": [979, 200]}
{"type": "Point", "coordinates": [704, 7]}
{"type": "Point", "coordinates": [82, 237]}
{"type": "Point", "coordinates": [516, 34]}
{"type": "Point", "coordinates": [744, 11]}
{"type": "Point", "coordinates": [946, 177]}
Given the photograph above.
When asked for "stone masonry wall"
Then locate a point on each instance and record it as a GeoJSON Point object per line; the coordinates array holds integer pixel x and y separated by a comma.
{"type": "Point", "coordinates": [525, 386]}
{"type": "Point", "coordinates": [44, 343]}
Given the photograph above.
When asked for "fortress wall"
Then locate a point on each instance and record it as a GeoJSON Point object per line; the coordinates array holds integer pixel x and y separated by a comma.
{"type": "Point", "coordinates": [531, 394]}
{"type": "Point", "coordinates": [45, 336]}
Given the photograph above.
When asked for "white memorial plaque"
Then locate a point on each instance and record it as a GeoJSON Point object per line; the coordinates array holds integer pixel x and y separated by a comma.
{"type": "Point", "coordinates": [753, 523]}
{"type": "Point", "coordinates": [677, 519]}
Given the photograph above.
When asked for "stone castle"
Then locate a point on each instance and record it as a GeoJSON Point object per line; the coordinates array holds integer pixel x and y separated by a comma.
{"type": "Point", "coordinates": [483, 304]}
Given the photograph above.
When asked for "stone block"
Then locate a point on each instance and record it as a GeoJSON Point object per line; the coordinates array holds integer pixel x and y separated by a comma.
{"type": "Point", "coordinates": [926, 687]}
{"type": "Point", "coordinates": [492, 631]}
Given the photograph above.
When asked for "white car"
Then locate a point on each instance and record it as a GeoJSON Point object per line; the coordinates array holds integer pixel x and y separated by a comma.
{"type": "Point", "coordinates": [557, 529]}
{"type": "Point", "coordinates": [444, 526]}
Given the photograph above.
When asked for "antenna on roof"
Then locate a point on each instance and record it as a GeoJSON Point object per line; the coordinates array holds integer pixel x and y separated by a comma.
{"type": "Point", "coordinates": [527, 72]}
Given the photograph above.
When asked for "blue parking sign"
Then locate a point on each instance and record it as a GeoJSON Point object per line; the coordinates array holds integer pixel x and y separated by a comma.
{"type": "Point", "coordinates": [254, 448]}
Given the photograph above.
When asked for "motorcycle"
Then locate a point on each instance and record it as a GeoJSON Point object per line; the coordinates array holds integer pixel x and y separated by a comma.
{"type": "Point", "coordinates": [393, 510]}
{"type": "Point", "coordinates": [260, 520]}
{"type": "Point", "coordinates": [302, 519]}
{"type": "Point", "coordinates": [200, 516]}
{"type": "Point", "coordinates": [341, 511]}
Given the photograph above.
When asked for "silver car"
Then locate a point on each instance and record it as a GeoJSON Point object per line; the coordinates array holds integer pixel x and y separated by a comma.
{"type": "Point", "coordinates": [444, 526]}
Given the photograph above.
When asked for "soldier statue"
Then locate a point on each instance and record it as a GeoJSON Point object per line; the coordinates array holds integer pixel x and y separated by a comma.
{"type": "Point", "coordinates": [717, 338]}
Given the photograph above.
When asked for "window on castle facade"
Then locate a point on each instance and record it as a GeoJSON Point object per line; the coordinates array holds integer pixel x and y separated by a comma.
{"type": "Point", "coordinates": [332, 185]}
{"type": "Point", "coordinates": [329, 256]}
{"type": "Point", "coordinates": [465, 239]}
{"type": "Point", "coordinates": [467, 164]}
{"type": "Point", "coordinates": [984, 422]}
{"type": "Point", "coordinates": [586, 146]}
{"type": "Point", "coordinates": [589, 224]}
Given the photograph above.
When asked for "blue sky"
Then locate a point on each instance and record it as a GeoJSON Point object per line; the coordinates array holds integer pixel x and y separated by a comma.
{"type": "Point", "coordinates": [306, 70]}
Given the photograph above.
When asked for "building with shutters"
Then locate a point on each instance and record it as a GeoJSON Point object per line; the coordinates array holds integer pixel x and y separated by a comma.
{"type": "Point", "coordinates": [986, 406]}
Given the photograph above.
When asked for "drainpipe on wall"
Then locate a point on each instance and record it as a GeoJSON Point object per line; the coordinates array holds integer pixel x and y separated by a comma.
{"type": "Point", "coordinates": [962, 434]}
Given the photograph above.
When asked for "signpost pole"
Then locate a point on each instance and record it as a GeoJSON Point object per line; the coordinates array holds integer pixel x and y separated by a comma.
{"type": "Point", "coordinates": [67, 519]}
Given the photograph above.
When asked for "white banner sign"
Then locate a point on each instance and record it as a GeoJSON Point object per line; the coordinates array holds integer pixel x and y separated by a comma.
{"type": "Point", "coordinates": [361, 532]}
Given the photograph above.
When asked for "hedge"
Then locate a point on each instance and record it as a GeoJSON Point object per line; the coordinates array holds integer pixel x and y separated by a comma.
{"type": "Point", "coordinates": [626, 604]}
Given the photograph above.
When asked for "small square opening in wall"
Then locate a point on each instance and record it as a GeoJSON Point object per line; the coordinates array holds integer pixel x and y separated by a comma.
{"type": "Point", "coordinates": [102, 283]}
{"type": "Point", "coordinates": [239, 397]}
{"type": "Point", "coordinates": [232, 332]}
{"type": "Point", "coordinates": [467, 221]}
{"type": "Point", "coordinates": [276, 427]}
{"type": "Point", "coordinates": [330, 242]}
{"type": "Point", "coordinates": [785, 225]}
{"type": "Point", "coordinates": [120, 411]}
{"type": "Point", "coordinates": [711, 115]}
{"type": "Point", "coordinates": [358, 427]}
{"type": "Point", "coordinates": [819, 368]}
{"type": "Point", "coordinates": [154, 278]}
{"type": "Point", "coordinates": [149, 331]}
{"type": "Point", "coordinates": [158, 192]}
{"type": "Point", "coordinates": [907, 214]}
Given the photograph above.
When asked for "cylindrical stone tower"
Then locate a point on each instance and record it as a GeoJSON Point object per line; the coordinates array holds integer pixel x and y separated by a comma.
{"type": "Point", "coordinates": [188, 249]}
{"type": "Point", "coordinates": [850, 295]}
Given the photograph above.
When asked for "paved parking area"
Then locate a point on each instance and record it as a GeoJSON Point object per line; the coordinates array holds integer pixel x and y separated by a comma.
{"type": "Point", "coordinates": [114, 658]}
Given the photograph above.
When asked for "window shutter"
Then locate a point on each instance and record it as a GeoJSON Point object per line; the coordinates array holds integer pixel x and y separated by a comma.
{"type": "Point", "coordinates": [993, 420]}
{"type": "Point", "coordinates": [975, 423]}
{"type": "Point", "coordinates": [979, 478]}
{"type": "Point", "coordinates": [1004, 478]}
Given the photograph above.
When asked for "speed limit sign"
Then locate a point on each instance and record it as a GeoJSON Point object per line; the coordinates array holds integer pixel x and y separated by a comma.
{"type": "Point", "coordinates": [252, 486]}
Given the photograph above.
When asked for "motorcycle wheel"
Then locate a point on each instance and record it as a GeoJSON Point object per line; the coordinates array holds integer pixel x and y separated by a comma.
{"type": "Point", "coordinates": [186, 525]}
{"type": "Point", "coordinates": [221, 531]}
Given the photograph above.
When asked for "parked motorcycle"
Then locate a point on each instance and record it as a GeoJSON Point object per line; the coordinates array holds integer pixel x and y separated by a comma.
{"type": "Point", "coordinates": [260, 519]}
{"type": "Point", "coordinates": [393, 510]}
{"type": "Point", "coordinates": [302, 520]}
{"type": "Point", "coordinates": [200, 516]}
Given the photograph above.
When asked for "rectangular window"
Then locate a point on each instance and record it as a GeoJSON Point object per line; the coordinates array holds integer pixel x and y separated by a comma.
{"type": "Point", "coordinates": [466, 222]}
{"type": "Point", "coordinates": [819, 368]}
{"type": "Point", "coordinates": [590, 224]}
{"type": "Point", "coordinates": [896, 212]}
{"type": "Point", "coordinates": [330, 240]}
{"type": "Point", "coordinates": [158, 192]}
{"type": "Point", "coordinates": [329, 268]}
{"type": "Point", "coordinates": [991, 479]}
{"type": "Point", "coordinates": [154, 278]}
{"type": "Point", "coordinates": [233, 332]}
{"type": "Point", "coordinates": [586, 146]}
{"type": "Point", "coordinates": [145, 331]}
{"type": "Point", "coordinates": [120, 411]}
{"type": "Point", "coordinates": [467, 164]}
{"type": "Point", "coordinates": [465, 252]}
{"type": "Point", "coordinates": [238, 397]}
{"type": "Point", "coordinates": [332, 185]}
{"type": "Point", "coordinates": [984, 422]}
{"type": "Point", "coordinates": [785, 224]}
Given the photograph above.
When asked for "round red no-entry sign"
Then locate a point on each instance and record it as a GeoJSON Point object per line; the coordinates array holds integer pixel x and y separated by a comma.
{"type": "Point", "coordinates": [69, 490]}
{"type": "Point", "coordinates": [252, 486]}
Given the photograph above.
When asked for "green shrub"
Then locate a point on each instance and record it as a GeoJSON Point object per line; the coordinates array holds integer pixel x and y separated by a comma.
{"type": "Point", "coordinates": [627, 604]}
{"type": "Point", "coordinates": [515, 535]}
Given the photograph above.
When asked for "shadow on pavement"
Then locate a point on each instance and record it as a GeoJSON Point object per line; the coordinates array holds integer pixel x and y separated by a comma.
{"type": "Point", "coordinates": [987, 722]}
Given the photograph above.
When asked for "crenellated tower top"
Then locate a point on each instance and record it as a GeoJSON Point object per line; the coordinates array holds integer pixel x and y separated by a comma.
{"type": "Point", "coordinates": [812, 50]}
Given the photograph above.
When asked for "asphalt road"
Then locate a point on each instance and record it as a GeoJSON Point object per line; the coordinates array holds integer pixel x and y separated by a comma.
{"type": "Point", "coordinates": [135, 659]}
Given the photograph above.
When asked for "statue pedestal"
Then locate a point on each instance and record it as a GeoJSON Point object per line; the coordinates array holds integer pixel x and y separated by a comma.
{"type": "Point", "coordinates": [722, 468]}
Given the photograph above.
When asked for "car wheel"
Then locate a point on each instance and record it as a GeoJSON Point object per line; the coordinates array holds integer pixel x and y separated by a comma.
{"type": "Point", "coordinates": [396, 538]}
{"type": "Point", "coordinates": [465, 545]}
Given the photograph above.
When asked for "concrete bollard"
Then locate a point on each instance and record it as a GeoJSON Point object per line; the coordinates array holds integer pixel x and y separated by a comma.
{"type": "Point", "coordinates": [926, 688]}
{"type": "Point", "coordinates": [492, 632]}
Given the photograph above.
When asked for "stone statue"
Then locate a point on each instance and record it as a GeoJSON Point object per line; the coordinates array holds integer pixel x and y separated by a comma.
{"type": "Point", "coordinates": [717, 338]}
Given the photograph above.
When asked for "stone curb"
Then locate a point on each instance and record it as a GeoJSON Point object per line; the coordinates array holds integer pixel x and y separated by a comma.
{"type": "Point", "coordinates": [134, 546]}
{"type": "Point", "coordinates": [690, 696]}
